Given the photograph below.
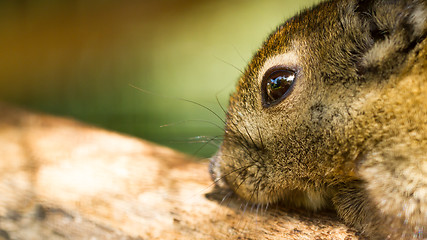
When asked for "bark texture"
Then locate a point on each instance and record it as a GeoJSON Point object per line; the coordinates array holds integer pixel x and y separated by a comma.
{"type": "Point", "coordinates": [61, 179]}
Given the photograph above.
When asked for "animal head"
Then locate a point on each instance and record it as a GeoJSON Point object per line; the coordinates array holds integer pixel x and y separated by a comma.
{"type": "Point", "coordinates": [320, 99]}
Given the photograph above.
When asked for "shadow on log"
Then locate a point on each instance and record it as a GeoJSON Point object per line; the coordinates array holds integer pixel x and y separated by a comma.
{"type": "Point", "coordinates": [61, 179]}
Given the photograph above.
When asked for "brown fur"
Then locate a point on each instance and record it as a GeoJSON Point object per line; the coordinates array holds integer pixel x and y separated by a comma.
{"type": "Point", "coordinates": [61, 179]}
{"type": "Point", "coordinates": [352, 133]}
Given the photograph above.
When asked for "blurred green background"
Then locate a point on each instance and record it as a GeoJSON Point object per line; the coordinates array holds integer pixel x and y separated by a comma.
{"type": "Point", "coordinates": [78, 58]}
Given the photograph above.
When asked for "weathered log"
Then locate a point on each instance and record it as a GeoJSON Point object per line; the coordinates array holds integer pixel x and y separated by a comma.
{"type": "Point", "coordinates": [61, 179]}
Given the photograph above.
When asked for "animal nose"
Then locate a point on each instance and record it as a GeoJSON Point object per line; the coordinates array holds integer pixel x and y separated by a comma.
{"type": "Point", "coordinates": [212, 165]}
{"type": "Point", "coordinates": [215, 171]}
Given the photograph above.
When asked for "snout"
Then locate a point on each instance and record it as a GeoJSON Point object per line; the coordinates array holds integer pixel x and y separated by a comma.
{"type": "Point", "coordinates": [215, 170]}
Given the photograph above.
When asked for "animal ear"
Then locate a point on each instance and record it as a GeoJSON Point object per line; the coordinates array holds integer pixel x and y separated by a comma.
{"type": "Point", "coordinates": [392, 18]}
{"type": "Point", "coordinates": [394, 28]}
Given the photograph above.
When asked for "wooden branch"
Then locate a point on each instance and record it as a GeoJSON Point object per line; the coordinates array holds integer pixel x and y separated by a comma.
{"type": "Point", "coordinates": [61, 179]}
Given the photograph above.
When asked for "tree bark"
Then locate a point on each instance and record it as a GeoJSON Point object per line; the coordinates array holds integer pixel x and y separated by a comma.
{"type": "Point", "coordinates": [61, 179]}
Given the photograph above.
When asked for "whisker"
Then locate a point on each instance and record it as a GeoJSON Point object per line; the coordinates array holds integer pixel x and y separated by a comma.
{"type": "Point", "coordinates": [246, 141]}
{"type": "Point", "coordinates": [264, 209]}
{"type": "Point", "coordinates": [220, 105]}
{"type": "Point", "coordinates": [235, 179]}
{"type": "Point", "coordinates": [252, 208]}
{"type": "Point", "coordinates": [246, 206]}
{"type": "Point", "coordinates": [248, 150]}
{"type": "Point", "coordinates": [260, 138]}
{"type": "Point", "coordinates": [204, 137]}
{"type": "Point", "coordinates": [223, 200]}
{"type": "Point", "coordinates": [250, 137]}
{"type": "Point", "coordinates": [241, 137]}
{"type": "Point", "coordinates": [245, 224]}
{"type": "Point", "coordinates": [240, 184]}
{"type": "Point", "coordinates": [205, 144]}
{"type": "Point", "coordinates": [192, 120]}
{"type": "Point", "coordinates": [190, 140]}
{"type": "Point", "coordinates": [225, 197]}
{"type": "Point", "coordinates": [182, 99]}
{"type": "Point", "coordinates": [223, 176]}
{"type": "Point", "coordinates": [240, 55]}
{"type": "Point", "coordinates": [222, 60]}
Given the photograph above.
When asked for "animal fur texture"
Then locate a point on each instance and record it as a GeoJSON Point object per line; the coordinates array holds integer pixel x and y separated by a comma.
{"type": "Point", "coordinates": [350, 133]}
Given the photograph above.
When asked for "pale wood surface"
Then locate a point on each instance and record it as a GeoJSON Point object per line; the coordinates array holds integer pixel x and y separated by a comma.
{"type": "Point", "coordinates": [61, 179]}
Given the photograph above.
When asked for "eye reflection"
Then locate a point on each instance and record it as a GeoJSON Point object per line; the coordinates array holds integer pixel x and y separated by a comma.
{"type": "Point", "coordinates": [276, 85]}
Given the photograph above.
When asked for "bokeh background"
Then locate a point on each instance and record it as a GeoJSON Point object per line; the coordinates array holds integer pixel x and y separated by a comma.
{"type": "Point", "coordinates": [79, 58]}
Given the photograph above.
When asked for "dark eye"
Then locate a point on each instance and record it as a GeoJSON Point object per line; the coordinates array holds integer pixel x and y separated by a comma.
{"type": "Point", "coordinates": [276, 85]}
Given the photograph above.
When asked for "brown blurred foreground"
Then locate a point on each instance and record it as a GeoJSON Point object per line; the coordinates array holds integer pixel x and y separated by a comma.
{"type": "Point", "coordinates": [61, 179]}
